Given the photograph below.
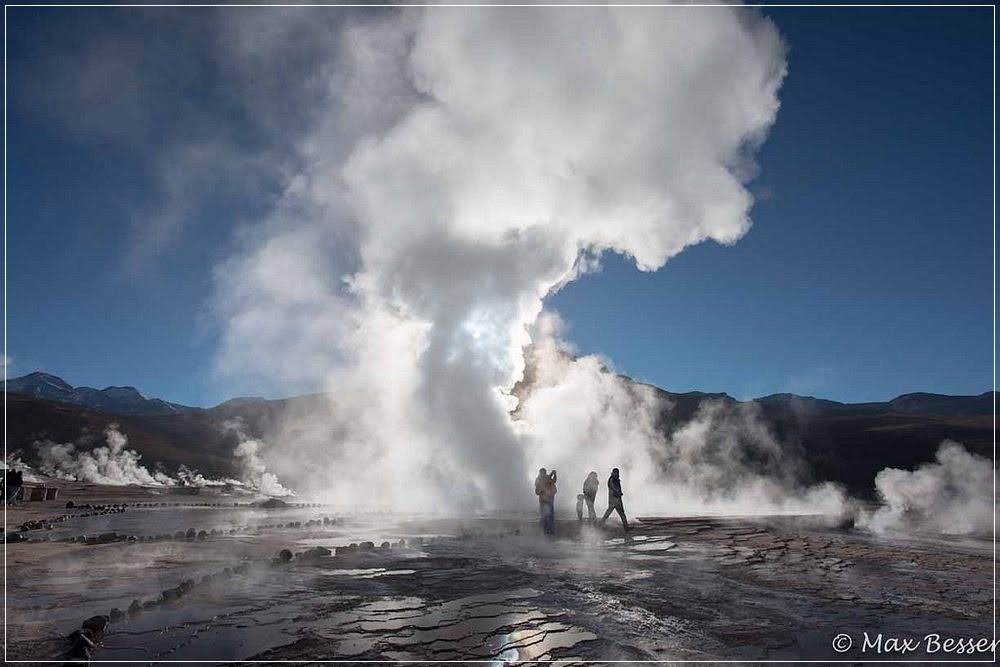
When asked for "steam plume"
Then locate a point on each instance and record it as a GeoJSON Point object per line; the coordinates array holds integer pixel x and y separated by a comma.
{"type": "Point", "coordinates": [491, 156]}
{"type": "Point", "coordinates": [952, 495]}
{"type": "Point", "coordinates": [580, 416]}
{"type": "Point", "coordinates": [114, 464]}
{"type": "Point", "coordinates": [253, 469]}
{"type": "Point", "coordinates": [108, 464]}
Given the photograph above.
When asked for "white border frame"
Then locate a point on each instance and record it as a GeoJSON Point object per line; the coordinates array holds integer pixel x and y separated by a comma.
{"type": "Point", "coordinates": [376, 5]}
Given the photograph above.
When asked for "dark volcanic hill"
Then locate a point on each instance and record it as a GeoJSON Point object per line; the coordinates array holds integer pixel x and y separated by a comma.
{"type": "Point", "coordinates": [117, 400]}
{"type": "Point", "coordinates": [843, 442]}
{"type": "Point", "coordinates": [198, 438]}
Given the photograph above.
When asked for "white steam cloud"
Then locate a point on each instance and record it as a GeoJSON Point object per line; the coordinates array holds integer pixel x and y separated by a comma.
{"type": "Point", "coordinates": [116, 465]}
{"type": "Point", "coordinates": [111, 464]}
{"type": "Point", "coordinates": [580, 416]}
{"type": "Point", "coordinates": [472, 162]}
{"type": "Point", "coordinates": [253, 469]}
{"type": "Point", "coordinates": [952, 495]}
{"type": "Point", "coordinates": [189, 477]}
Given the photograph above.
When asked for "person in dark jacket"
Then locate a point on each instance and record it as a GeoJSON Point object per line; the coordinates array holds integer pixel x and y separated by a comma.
{"type": "Point", "coordinates": [590, 486]}
{"type": "Point", "coordinates": [615, 499]}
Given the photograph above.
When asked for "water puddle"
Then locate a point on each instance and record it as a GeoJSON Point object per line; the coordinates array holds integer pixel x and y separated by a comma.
{"type": "Point", "coordinates": [367, 573]}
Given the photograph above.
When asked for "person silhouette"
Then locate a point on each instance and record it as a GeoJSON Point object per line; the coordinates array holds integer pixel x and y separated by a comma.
{"type": "Point", "coordinates": [615, 499]}
{"type": "Point", "coordinates": [590, 486]}
{"type": "Point", "coordinates": [545, 489]}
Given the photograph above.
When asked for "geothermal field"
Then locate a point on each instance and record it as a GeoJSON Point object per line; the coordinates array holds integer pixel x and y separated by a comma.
{"type": "Point", "coordinates": [217, 577]}
{"type": "Point", "coordinates": [325, 322]}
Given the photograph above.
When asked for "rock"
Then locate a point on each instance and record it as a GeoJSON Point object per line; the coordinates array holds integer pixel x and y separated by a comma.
{"type": "Point", "coordinates": [366, 546]}
{"type": "Point", "coordinates": [202, 534]}
{"type": "Point", "coordinates": [135, 607]}
{"type": "Point", "coordinates": [191, 533]}
{"type": "Point", "coordinates": [385, 545]}
{"type": "Point", "coordinates": [171, 593]}
{"type": "Point", "coordinates": [82, 646]}
{"type": "Point", "coordinates": [315, 552]}
{"type": "Point", "coordinates": [14, 538]}
{"type": "Point", "coordinates": [179, 535]}
{"type": "Point", "coordinates": [116, 614]}
{"type": "Point", "coordinates": [284, 555]}
{"type": "Point", "coordinates": [80, 651]}
{"type": "Point", "coordinates": [70, 504]}
{"type": "Point", "coordinates": [96, 624]}
{"type": "Point", "coordinates": [107, 538]}
{"type": "Point", "coordinates": [272, 503]}
{"type": "Point", "coordinates": [84, 636]}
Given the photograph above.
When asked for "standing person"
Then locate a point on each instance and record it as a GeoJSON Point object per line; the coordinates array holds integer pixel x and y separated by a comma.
{"type": "Point", "coordinates": [590, 495]}
{"type": "Point", "coordinates": [545, 489]}
{"type": "Point", "coordinates": [615, 499]}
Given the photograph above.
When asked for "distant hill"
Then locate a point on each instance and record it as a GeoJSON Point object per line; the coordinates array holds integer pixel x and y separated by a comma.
{"type": "Point", "coordinates": [116, 400]}
{"type": "Point", "coordinates": [196, 437]}
{"type": "Point", "coordinates": [843, 442]}
{"type": "Point", "coordinates": [944, 405]}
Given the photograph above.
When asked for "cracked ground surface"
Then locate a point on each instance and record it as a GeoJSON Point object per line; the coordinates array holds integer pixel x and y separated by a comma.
{"type": "Point", "coordinates": [490, 589]}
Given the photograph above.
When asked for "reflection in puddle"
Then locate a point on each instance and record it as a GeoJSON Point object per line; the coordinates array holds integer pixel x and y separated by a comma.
{"type": "Point", "coordinates": [494, 626]}
{"type": "Point", "coordinates": [654, 546]}
{"type": "Point", "coordinates": [367, 573]}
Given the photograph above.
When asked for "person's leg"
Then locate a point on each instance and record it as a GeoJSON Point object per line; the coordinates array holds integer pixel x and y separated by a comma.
{"type": "Point", "coordinates": [620, 508]}
{"type": "Point", "coordinates": [543, 514]}
{"type": "Point", "coordinates": [579, 509]}
{"type": "Point", "coordinates": [551, 519]}
{"type": "Point", "coordinates": [607, 513]}
{"type": "Point", "coordinates": [591, 514]}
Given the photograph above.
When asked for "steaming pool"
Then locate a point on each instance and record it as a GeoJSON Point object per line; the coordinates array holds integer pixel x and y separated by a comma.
{"type": "Point", "coordinates": [488, 588]}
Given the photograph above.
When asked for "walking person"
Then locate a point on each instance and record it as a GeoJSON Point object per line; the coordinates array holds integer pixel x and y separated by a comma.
{"type": "Point", "coordinates": [545, 489]}
{"type": "Point", "coordinates": [590, 495]}
{"type": "Point", "coordinates": [615, 499]}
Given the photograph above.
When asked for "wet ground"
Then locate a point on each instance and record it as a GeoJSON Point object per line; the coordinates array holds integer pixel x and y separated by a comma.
{"type": "Point", "coordinates": [488, 588]}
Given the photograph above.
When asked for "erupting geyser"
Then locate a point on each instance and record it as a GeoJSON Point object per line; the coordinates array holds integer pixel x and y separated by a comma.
{"type": "Point", "coordinates": [495, 155]}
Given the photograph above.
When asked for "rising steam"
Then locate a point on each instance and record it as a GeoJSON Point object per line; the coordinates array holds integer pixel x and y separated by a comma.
{"type": "Point", "coordinates": [115, 464]}
{"type": "Point", "coordinates": [472, 162]}
{"type": "Point", "coordinates": [112, 463]}
{"type": "Point", "coordinates": [253, 470]}
{"type": "Point", "coordinates": [952, 495]}
{"type": "Point", "coordinates": [580, 416]}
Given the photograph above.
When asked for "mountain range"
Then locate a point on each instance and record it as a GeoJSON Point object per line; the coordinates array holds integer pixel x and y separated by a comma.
{"type": "Point", "coordinates": [118, 400]}
{"type": "Point", "coordinates": [130, 401]}
{"type": "Point", "coordinates": [843, 442]}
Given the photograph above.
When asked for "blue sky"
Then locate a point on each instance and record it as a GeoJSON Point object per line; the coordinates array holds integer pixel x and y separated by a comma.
{"type": "Point", "coordinates": [868, 271]}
